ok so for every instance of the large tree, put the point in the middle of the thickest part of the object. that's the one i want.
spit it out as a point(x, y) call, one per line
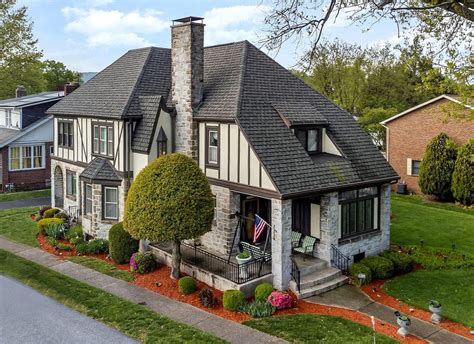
point(463, 175)
point(56, 75)
point(19, 56)
point(170, 200)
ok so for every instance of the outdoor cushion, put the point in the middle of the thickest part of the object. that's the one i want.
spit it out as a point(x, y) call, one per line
point(307, 246)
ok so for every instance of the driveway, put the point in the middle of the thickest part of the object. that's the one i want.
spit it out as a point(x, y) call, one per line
point(27, 316)
point(30, 202)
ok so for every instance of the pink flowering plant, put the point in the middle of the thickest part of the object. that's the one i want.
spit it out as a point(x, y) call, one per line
point(142, 263)
point(280, 300)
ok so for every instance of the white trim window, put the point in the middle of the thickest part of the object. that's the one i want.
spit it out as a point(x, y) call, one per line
point(110, 203)
point(8, 118)
point(26, 157)
point(88, 199)
point(103, 140)
point(71, 182)
point(213, 146)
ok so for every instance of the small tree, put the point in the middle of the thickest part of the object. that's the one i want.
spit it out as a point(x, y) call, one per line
point(170, 200)
point(437, 166)
point(463, 175)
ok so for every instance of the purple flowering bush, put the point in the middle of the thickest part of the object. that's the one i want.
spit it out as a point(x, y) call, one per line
point(142, 262)
point(280, 300)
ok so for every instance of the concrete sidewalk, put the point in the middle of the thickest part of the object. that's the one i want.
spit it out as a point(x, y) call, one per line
point(22, 203)
point(181, 312)
point(353, 298)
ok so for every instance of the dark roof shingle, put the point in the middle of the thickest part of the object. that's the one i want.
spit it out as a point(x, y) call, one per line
point(100, 169)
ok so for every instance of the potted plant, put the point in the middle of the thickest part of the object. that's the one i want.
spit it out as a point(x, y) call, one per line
point(243, 258)
point(436, 309)
point(404, 322)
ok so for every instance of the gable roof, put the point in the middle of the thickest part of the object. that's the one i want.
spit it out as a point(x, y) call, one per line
point(31, 100)
point(443, 96)
point(100, 169)
point(114, 92)
point(7, 136)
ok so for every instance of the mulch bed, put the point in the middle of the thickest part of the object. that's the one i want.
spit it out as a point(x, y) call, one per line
point(160, 282)
point(375, 292)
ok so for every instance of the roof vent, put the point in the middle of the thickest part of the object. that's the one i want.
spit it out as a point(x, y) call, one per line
point(20, 91)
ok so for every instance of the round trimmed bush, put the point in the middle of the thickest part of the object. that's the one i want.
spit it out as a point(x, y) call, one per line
point(263, 291)
point(61, 215)
point(358, 268)
point(381, 268)
point(402, 263)
point(43, 209)
point(43, 223)
point(187, 285)
point(121, 244)
point(233, 300)
point(50, 213)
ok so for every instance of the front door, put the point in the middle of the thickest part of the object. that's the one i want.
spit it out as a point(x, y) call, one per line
point(252, 206)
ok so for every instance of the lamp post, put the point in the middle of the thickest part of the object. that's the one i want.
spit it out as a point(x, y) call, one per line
point(361, 278)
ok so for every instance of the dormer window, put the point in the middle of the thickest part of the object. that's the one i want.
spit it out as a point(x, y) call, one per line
point(310, 138)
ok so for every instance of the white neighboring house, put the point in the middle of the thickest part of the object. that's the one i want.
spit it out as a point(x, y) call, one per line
point(269, 144)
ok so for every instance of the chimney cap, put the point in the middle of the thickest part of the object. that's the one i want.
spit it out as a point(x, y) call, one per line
point(188, 19)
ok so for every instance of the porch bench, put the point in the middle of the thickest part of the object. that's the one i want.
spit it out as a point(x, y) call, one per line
point(307, 246)
point(256, 252)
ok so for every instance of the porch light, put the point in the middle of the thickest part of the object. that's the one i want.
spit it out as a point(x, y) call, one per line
point(361, 277)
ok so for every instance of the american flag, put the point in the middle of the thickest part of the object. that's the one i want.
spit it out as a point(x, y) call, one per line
point(258, 227)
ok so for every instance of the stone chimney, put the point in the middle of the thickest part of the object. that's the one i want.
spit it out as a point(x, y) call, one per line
point(20, 91)
point(187, 72)
point(69, 87)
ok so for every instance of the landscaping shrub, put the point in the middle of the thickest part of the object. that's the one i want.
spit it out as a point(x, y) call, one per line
point(64, 247)
point(437, 258)
point(55, 230)
point(263, 291)
point(358, 268)
point(95, 246)
point(50, 213)
point(43, 209)
point(280, 300)
point(402, 263)
point(38, 217)
point(259, 309)
point(122, 245)
point(437, 167)
point(42, 224)
point(187, 285)
point(379, 266)
point(61, 215)
point(77, 241)
point(52, 241)
point(233, 300)
point(207, 298)
point(142, 262)
point(463, 175)
point(74, 232)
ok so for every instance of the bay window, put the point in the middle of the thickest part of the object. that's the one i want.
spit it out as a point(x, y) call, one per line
point(358, 211)
point(103, 139)
point(26, 157)
point(110, 196)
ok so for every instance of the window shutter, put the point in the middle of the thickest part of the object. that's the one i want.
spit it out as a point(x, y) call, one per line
point(409, 166)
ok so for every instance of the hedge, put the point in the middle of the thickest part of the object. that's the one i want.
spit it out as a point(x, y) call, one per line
point(121, 244)
point(381, 268)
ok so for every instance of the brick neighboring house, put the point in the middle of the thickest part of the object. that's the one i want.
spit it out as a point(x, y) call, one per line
point(268, 143)
point(26, 140)
point(409, 132)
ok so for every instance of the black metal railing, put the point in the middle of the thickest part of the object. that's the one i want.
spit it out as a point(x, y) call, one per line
point(295, 273)
point(74, 214)
point(338, 259)
point(205, 260)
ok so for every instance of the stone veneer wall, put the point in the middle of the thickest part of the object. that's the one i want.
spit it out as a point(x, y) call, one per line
point(281, 243)
point(329, 208)
point(224, 226)
point(68, 202)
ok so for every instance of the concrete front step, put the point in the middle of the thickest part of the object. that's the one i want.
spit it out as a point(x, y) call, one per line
point(321, 288)
point(318, 277)
point(307, 267)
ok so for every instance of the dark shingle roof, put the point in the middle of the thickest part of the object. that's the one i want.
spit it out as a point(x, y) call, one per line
point(149, 107)
point(100, 169)
point(295, 113)
point(113, 92)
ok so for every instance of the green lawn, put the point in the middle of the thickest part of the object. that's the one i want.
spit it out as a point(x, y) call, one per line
point(310, 328)
point(439, 225)
point(14, 196)
point(133, 320)
point(16, 224)
point(103, 267)
point(454, 289)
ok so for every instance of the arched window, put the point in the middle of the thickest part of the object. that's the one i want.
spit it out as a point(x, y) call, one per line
point(162, 143)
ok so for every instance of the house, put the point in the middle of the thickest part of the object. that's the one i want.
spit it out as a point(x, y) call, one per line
point(269, 144)
point(26, 140)
point(409, 132)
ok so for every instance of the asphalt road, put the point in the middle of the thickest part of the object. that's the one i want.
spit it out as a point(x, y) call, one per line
point(30, 202)
point(27, 316)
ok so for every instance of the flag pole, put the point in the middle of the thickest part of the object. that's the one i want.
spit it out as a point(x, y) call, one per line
point(269, 228)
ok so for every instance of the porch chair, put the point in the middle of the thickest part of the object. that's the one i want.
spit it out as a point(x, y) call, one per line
point(295, 239)
point(307, 246)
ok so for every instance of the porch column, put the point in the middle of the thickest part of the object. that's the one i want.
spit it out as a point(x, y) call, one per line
point(329, 225)
point(281, 243)
point(385, 193)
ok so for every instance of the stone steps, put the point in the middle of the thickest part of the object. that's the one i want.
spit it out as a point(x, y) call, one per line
point(319, 277)
point(322, 288)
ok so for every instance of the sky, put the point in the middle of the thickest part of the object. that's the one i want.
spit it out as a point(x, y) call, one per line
point(88, 35)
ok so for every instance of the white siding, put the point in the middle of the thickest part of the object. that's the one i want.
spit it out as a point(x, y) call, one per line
point(164, 121)
point(41, 134)
point(15, 118)
point(238, 161)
